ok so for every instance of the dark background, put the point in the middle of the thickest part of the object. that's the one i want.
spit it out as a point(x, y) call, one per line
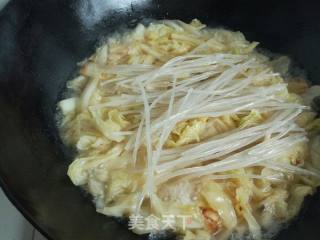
point(40, 43)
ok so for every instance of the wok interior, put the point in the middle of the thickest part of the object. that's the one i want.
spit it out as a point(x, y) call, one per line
point(41, 42)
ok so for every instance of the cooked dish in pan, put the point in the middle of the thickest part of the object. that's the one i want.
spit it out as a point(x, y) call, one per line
point(188, 128)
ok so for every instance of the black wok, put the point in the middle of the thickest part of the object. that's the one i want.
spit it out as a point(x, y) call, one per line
point(40, 43)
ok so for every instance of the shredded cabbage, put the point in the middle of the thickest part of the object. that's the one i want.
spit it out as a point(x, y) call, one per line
point(181, 119)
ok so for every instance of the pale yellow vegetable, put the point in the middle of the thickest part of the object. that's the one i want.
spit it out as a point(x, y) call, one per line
point(220, 202)
point(253, 119)
point(243, 197)
point(180, 119)
point(298, 193)
point(69, 105)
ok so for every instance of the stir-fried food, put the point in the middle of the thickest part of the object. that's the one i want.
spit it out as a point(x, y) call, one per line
point(180, 119)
